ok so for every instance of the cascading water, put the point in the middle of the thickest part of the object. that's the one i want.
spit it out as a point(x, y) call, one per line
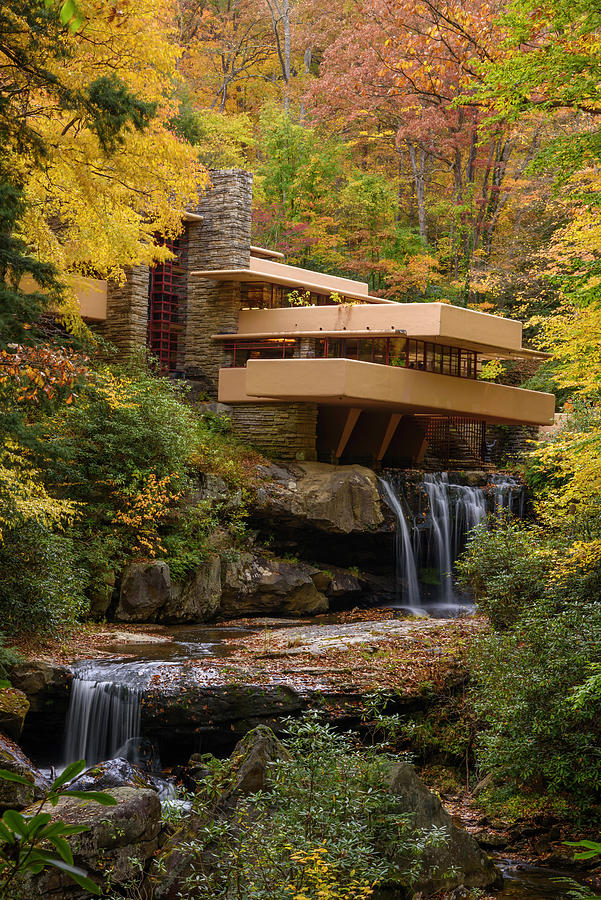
point(425, 553)
point(439, 543)
point(406, 571)
point(508, 494)
point(470, 510)
point(104, 712)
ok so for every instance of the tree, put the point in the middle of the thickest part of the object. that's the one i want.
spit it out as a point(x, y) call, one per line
point(84, 120)
point(402, 68)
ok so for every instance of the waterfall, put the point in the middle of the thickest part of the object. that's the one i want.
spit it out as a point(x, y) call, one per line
point(437, 491)
point(406, 571)
point(508, 494)
point(470, 510)
point(449, 513)
point(104, 713)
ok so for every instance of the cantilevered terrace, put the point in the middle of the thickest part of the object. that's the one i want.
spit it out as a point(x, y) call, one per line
point(379, 372)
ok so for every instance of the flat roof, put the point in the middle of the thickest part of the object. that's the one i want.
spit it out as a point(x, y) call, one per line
point(349, 382)
point(269, 272)
point(439, 323)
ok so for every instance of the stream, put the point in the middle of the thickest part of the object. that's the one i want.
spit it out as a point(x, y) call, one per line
point(528, 882)
point(104, 715)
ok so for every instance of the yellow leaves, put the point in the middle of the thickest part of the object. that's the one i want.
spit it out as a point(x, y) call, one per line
point(318, 879)
point(574, 338)
point(581, 557)
point(23, 497)
point(143, 510)
point(110, 208)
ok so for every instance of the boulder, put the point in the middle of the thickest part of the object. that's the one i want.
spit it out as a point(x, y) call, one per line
point(145, 588)
point(259, 585)
point(460, 852)
point(12, 794)
point(111, 774)
point(338, 584)
point(251, 758)
point(118, 844)
point(45, 686)
point(14, 706)
point(334, 499)
point(197, 600)
point(101, 595)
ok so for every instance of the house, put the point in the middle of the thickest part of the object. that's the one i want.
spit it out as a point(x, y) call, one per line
point(308, 364)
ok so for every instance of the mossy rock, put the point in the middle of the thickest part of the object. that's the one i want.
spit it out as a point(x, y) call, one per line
point(13, 795)
point(14, 706)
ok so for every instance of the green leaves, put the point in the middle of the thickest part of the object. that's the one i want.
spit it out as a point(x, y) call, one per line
point(12, 776)
point(94, 797)
point(69, 14)
point(72, 771)
point(24, 839)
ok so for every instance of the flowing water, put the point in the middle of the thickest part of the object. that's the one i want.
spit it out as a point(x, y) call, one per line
point(527, 882)
point(406, 580)
point(103, 719)
point(428, 543)
point(104, 711)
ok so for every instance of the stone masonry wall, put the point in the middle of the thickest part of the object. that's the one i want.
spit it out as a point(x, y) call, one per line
point(127, 311)
point(283, 430)
point(505, 444)
point(220, 241)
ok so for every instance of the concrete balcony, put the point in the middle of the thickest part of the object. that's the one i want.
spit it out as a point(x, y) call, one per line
point(437, 322)
point(361, 385)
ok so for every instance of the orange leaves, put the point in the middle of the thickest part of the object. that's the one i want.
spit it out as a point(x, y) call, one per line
point(41, 372)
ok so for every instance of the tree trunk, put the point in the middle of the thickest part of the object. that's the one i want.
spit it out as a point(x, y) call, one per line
point(418, 167)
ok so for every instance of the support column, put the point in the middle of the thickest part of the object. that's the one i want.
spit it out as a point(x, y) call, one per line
point(127, 311)
point(351, 420)
point(392, 426)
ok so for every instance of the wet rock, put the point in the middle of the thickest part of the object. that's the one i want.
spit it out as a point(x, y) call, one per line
point(13, 795)
point(338, 584)
point(47, 689)
point(198, 600)
point(43, 684)
point(14, 706)
point(145, 588)
point(334, 499)
point(473, 868)
point(258, 585)
point(120, 841)
point(491, 841)
point(111, 774)
point(187, 711)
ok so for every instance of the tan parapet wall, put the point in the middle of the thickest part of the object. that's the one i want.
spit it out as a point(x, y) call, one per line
point(352, 383)
point(429, 321)
point(90, 294)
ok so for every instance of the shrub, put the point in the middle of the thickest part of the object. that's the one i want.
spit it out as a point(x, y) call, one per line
point(42, 584)
point(325, 827)
point(532, 687)
point(129, 452)
point(506, 565)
